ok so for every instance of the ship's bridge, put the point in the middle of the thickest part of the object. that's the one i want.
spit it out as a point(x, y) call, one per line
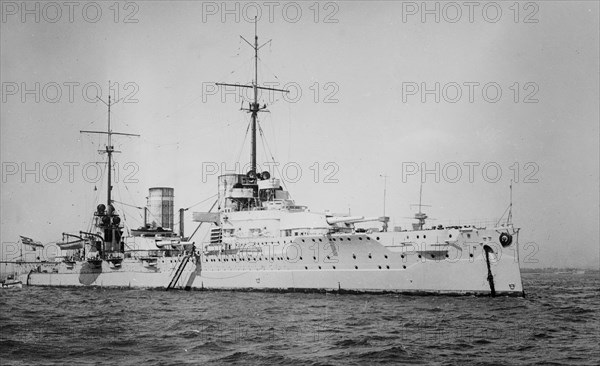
point(239, 192)
point(253, 208)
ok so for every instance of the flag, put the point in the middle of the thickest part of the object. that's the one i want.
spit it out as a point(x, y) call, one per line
point(28, 241)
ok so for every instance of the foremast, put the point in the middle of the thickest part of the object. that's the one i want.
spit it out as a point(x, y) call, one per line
point(109, 222)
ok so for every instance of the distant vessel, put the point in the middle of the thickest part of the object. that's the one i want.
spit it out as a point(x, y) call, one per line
point(11, 282)
point(260, 239)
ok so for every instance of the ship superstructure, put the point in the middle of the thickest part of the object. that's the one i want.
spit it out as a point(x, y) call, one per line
point(261, 239)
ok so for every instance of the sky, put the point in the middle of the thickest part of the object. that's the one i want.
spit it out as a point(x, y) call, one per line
point(475, 96)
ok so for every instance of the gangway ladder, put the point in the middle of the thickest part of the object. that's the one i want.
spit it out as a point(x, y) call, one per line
point(178, 272)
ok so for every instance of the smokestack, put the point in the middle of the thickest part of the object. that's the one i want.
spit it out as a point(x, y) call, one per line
point(160, 206)
point(181, 210)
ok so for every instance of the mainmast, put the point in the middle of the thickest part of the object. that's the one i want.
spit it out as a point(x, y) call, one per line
point(254, 107)
point(109, 150)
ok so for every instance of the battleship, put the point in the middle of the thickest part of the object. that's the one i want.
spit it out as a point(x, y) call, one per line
point(259, 238)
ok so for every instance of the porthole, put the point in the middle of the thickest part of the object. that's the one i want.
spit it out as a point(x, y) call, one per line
point(370, 256)
point(319, 267)
point(433, 256)
point(379, 267)
point(447, 256)
point(424, 236)
point(469, 236)
point(313, 239)
point(471, 255)
point(388, 267)
point(385, 256)
point(315, 258)
point(417, 236)
point(377, 238)
point(333, 239)
point(300, 258)
point(368, 238)
point(450, 235)
point(333, 267)
point(403, 267)
point(349, 239)
point(419, 255)
point(360, 238)
point(320, 239)
point(353, 256)
point(305, 267)
point(355, 267)
point(402, 256)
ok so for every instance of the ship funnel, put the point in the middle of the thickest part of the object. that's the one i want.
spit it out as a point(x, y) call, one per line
point(160, 206)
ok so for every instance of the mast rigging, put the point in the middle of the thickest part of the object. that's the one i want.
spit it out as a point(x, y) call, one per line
point(254, 107)
point(108, 223)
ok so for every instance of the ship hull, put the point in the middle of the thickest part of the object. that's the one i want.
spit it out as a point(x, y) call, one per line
point(132, 273)
point(378, 263)
point(425, 280)
point(372, 263)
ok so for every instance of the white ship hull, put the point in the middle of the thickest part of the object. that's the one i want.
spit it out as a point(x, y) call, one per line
point(379, 262)
point(134, 273)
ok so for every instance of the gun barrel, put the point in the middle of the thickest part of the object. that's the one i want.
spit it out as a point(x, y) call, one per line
point(350, 219)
